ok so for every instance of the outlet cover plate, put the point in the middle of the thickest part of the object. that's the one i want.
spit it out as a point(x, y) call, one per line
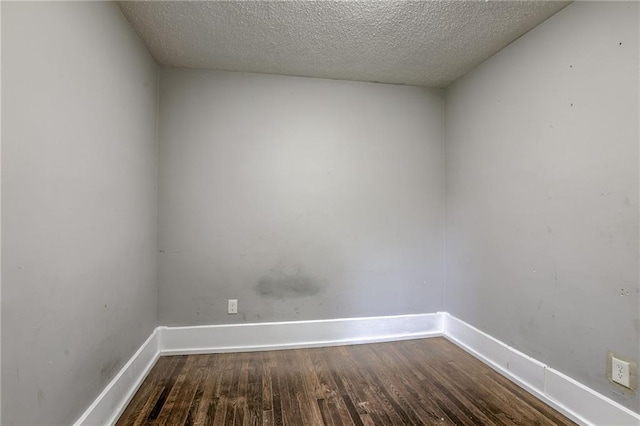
point(622, 370)
point(232, 306)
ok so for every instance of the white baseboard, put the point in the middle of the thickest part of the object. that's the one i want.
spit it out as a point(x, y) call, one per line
point(297, 334)
point(110, 404)
point(568, 396)
point(575, 400)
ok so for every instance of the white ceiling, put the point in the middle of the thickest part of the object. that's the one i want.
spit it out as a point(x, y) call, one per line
point(427, 43)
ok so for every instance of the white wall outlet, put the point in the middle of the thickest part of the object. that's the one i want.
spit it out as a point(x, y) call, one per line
point(621, 370)
point(232, 306)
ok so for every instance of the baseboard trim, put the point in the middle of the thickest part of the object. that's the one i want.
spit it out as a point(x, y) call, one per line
point(298, 334)
point(568, 396)
point(575, 400)
point(110, 404)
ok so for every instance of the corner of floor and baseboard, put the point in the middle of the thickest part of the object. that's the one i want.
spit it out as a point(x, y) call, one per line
point(568, 396)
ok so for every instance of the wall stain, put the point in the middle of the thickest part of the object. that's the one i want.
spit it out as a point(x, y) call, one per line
point(40, 396)
point(109, 368)
point(287, 282)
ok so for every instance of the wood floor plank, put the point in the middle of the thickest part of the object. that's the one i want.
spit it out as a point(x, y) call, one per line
point(177, 395)
point(166, 385)
point(343, 373)
point(433, 368)
point(223, 393)
point(243, 385)
point(454, 409)
point(500, 388)
point(405, 391)
point(231, 400)
point(254, 393)
point(336, 403)
point(355, 386)
point(138, 410)
point(324, 411)
point(266, 361)
point(202, 411)
point(276, 401)
point(413, 382)
point(288, 389)
point(306, 398)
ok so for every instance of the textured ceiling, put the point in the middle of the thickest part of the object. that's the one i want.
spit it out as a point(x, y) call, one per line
point(427, 43)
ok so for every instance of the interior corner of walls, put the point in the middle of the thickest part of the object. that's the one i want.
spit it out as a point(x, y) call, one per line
point(159, 332)
point(442, 322)
point(113, 400)
point(94, 92)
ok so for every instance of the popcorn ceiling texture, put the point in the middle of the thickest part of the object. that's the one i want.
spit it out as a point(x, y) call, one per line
point(425, 43)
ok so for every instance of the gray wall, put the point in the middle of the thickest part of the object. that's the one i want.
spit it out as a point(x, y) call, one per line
point(302, 198)
point(542, 193)
point(79, 197)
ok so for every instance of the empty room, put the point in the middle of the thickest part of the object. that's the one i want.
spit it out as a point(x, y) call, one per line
point(320, 213)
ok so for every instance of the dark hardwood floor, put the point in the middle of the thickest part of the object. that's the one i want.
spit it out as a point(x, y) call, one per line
point(427, 381)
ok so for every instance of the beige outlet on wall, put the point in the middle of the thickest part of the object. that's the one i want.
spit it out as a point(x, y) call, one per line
point(232, 306)
point(621, 370)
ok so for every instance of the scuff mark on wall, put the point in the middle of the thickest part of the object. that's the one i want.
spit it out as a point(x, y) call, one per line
point(109, 368)
point(287, 281)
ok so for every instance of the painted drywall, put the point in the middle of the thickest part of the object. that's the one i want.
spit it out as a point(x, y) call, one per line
point(542, 193)
point(302, 198)
point(79, 202)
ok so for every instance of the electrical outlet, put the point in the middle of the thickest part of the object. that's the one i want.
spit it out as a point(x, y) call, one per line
point(232, 306)
point(621, 370)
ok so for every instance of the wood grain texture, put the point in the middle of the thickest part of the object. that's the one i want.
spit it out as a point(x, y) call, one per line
point(412, 382)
